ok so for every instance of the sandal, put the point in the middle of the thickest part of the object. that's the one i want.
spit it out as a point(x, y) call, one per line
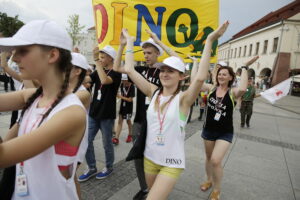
point(205, 186)
point(215, 195)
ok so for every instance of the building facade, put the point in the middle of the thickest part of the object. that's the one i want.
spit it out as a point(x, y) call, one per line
point(275, 38)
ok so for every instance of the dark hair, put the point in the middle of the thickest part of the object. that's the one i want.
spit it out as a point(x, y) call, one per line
point(231, 73)
point(65, 66)
point(80, 78)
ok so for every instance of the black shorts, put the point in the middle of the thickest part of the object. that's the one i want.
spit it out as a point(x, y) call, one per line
point(126, 116)
point(214, 135)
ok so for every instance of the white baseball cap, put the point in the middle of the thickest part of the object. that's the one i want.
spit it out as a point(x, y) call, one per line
point(41, 32)
point(109, 50)
point(173, 62)
point(79, 60)
point(124, 77)
point(151, 41)
point(222, 63)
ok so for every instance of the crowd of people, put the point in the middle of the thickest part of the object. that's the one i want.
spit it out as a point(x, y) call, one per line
point(61, 103)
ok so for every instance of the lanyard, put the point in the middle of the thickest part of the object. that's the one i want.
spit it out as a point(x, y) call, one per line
point(101, 83)
point(161, 120)
point(152, 74)
point(126, 92)
point(219, 103)
point(35, 123)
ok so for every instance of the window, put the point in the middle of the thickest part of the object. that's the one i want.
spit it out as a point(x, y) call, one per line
point(265, 46)
point(275, 45)
point(245, 50)
point(231, 53)
point(235, 50)
point(240, 51)
point(257, 48)
point(250, 50)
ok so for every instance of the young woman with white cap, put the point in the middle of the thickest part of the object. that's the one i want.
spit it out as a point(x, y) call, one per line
point(164, 157)
point(53, 118)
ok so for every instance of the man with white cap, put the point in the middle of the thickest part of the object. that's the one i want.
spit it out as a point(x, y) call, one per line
point(102, 111)
point(152, 49)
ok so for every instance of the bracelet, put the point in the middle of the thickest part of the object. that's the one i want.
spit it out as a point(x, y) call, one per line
point(96, 59)
point(129, 51)
point(245, 67)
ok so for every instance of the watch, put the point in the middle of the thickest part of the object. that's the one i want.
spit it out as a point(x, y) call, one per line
point(245, 67)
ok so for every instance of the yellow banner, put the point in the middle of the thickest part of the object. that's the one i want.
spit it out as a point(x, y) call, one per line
point(181, 25)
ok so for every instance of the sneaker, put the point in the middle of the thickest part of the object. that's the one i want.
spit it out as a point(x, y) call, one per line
point(141, 195)
point(105, 173)
point(129, 139)
point(248, 125)
point(242, 125)
point(115, 141)
point(87, 175)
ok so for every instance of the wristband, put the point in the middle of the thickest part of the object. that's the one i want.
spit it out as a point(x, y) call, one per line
point(129, 51)
point(245, 67)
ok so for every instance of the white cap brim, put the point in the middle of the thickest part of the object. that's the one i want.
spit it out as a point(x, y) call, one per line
point(161, 51)
point(108, 53)
point(9, 44)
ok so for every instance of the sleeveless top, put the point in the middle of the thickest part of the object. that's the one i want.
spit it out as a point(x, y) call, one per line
point(171, 154)
point(44, 179)
point(223, 106)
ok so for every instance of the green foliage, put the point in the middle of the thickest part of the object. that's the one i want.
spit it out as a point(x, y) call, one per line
point(74, 28)
point(9, 25)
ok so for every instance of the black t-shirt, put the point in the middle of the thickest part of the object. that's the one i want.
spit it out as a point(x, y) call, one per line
point(125, 106)
point(104, 106)
point(152, 75)
point(223, 106)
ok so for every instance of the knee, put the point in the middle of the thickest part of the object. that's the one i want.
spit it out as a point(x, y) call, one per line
point(215, 162)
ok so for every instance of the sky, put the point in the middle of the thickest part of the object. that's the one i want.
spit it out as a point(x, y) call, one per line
point(240, 13)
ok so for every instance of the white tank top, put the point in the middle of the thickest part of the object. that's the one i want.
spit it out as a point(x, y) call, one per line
point(171, 154)
point(44, 179)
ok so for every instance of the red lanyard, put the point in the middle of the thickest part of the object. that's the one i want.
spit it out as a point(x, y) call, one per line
point(101, 83)
point(161, 120)
point(126, 92)
point(35, 123)
point(152, 74)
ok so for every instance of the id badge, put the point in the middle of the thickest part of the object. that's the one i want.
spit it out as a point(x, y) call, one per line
point(217, 116)
point(99, 95)
point(160, 140)
point(147, 101)
point(21, 186)
point(124, 104)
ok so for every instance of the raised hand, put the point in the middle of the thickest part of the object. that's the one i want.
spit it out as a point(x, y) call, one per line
point(123, 40)
point(153, 36)
point(250, 62)
point(192, 58)
point(218, 32)
point(96, 53)
point(126, 35)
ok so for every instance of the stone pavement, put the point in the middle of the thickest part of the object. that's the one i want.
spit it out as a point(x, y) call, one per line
point(262, 163)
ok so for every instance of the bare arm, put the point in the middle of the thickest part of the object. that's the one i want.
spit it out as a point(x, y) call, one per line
point(238, 92)
point(14, 100)
point(7, 69)
point(85, 98)
point(195, 67)
point(128, 99)
point(117, 63)
point(146, 87)
point(189, 96)
point(12, 132)
point(51, 132)
point(105, 80)
point(168, 50)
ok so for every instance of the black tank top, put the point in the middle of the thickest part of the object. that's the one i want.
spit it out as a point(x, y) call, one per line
point(224, 106)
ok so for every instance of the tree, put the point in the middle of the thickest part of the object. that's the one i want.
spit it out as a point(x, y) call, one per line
point(9, 25)
point(74, 28)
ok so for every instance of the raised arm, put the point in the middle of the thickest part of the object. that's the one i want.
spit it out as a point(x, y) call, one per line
point(7, 69)
point(189, 96)
point(105, 80)
point(167, 49)
point(238, 92)
point(194, 68)
point(146, 87)
point(117, 63)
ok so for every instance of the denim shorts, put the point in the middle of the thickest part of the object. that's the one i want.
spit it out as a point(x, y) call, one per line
point(215, 135)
